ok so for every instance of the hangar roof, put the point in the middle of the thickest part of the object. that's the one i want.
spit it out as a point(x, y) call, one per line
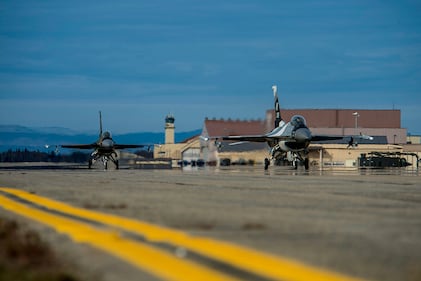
point(221, 127)
point(343, 118)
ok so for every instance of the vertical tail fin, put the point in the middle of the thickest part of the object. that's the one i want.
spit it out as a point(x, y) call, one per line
point(278, 117)
point(100, 124)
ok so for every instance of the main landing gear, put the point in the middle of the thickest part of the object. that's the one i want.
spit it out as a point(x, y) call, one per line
point(267, 163)
point(304, 162)
point(294, 157)
point(104, 160)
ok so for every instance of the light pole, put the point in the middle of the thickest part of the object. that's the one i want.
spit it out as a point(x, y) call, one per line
point(356, 114)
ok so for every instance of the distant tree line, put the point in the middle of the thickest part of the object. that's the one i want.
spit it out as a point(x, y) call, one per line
point(26, 155)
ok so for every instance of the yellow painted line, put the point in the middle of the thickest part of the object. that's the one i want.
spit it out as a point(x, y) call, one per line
point(264, 264)
point(149, 259)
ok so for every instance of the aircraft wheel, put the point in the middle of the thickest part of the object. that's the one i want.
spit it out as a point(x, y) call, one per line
point(306, 163)
point(106, 165)
point(90, 164)
point(116, 165)
point(267, 163)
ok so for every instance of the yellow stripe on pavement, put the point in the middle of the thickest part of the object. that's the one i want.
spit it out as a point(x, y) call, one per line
point(263, 264)
point(149, 259)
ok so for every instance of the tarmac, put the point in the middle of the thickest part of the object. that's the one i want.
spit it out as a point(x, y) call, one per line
point(358, 223)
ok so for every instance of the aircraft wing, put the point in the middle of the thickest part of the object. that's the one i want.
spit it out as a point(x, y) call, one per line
point(253, 138)
point(80, 146)
point(327, 138)
point(268, 138)
point(124, 146)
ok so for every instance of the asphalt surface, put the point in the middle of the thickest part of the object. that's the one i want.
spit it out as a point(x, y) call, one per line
point(361, 223)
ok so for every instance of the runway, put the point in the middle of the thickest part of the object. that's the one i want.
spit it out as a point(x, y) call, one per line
point(230, 224)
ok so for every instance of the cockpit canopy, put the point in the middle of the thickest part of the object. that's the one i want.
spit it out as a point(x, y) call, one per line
point(298, 121)
point(106, 135)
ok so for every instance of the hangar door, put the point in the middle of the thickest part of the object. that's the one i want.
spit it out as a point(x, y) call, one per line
point(191, 154)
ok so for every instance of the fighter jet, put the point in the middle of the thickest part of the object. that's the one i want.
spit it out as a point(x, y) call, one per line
point(104, 148)
point(289, 138)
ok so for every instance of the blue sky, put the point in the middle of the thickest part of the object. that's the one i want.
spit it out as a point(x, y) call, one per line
point(63, 61)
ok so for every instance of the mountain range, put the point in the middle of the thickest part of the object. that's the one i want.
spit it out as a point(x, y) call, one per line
point(15, 136)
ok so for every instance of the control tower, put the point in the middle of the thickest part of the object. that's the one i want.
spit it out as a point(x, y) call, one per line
point(169, 129)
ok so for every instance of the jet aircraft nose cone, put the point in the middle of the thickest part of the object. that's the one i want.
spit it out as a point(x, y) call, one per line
point(303, 135)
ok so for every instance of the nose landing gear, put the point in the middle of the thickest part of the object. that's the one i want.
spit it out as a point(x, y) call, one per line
point(104, 159)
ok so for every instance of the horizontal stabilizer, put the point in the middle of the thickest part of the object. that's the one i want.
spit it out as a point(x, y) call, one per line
point(239, 142)
point(365, 137)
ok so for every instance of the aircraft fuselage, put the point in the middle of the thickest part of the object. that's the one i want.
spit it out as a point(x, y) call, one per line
point(106, 146)
point(293, 136)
